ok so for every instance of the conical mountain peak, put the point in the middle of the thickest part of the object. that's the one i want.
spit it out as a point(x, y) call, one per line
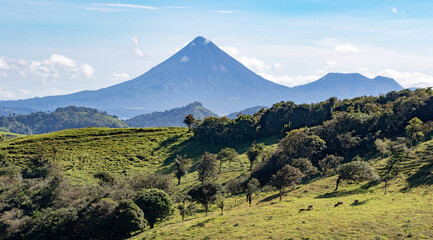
point(200, 40)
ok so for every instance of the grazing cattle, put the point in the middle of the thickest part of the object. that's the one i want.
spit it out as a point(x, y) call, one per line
point(356, 201)
point(310, 207)
point(338, 204)
point(302, 209)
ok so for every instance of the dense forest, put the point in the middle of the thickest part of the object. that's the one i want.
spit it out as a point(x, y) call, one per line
point(330, 138)
point(60, 119)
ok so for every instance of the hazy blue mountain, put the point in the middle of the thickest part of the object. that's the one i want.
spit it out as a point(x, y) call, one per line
point(170, 118)
point(6, 111)
point(346, 85)
point(202, 72)
point(247, 111)
point(199, 72)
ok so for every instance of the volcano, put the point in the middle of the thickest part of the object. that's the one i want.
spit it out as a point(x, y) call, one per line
point(202, 72)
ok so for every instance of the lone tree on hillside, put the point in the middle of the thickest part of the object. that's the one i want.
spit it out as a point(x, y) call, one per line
point(398, 155)
point(254, 152)
point(252, 187)
point(182, 164)
point(189, 121)
point(205, 194)
point(207, 167)
point(226, 154)
point(285, 177)
point(414, 131)
point(356, 171)
point(155, 203)
point(129, 218)
point(329, 163)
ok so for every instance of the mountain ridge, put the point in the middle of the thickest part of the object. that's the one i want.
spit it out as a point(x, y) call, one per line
point(202, 72)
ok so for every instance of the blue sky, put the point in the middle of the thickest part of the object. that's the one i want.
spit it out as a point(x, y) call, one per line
point(57, 47)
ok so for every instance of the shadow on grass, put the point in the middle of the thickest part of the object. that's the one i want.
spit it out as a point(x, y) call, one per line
point(354, 204)
point(342, 193)
point(270, 198)
point(201, 224)
point(424, 176)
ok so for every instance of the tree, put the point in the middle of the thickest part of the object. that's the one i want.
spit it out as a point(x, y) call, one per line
point(305, 166)
point(330, 162)
point(155, 204)
point(301, 143)
point(254, 152)
point(347, 141)
point(186, 210)
point(356, 171)
point(226, 154)
point(398, 155)
point(189, 121)
point(252, 187)
point(383, 146)
point(129, 218)
point(182, 164)
point(285, 177)
point(205, 194)
point(207, 167)
point(414, 131)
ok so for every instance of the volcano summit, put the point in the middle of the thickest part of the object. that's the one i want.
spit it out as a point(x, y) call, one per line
point(200, 72)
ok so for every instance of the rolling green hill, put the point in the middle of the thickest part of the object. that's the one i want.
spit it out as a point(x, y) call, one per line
point(170, 118)
point(60, 119)
point(83, 152)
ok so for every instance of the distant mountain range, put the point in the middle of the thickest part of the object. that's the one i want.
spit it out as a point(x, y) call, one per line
point(247, 111)
point(170, 118)
point(203, 72)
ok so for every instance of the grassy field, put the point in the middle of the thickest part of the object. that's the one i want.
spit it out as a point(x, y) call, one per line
point(83, 152)
point(406, 212)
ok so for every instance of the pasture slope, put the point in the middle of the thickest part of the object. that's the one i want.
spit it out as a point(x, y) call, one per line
point(406, 212)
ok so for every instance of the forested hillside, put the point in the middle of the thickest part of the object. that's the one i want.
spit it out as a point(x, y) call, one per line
point(283, 170)
point(60, 119)
point(170, 118)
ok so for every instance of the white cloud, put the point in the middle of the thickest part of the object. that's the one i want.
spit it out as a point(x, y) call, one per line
point(225, 11)
point(409, 79)
point(135, 40)
point(394, 10)
point(180, 7)
point(124, 5)
point(60, 61)
point(3, 64)
point(137, 50)
point(230, 50)
point(289, 81)
point(184, 59)
point(53, 67)
point(101, 9)
point(251, 62)
point(278, 65)
point(331, 63)
point(87, 70)
point(121, 75)
point(344, 49)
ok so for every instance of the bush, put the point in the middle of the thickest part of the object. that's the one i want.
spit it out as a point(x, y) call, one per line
point(155, 203)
